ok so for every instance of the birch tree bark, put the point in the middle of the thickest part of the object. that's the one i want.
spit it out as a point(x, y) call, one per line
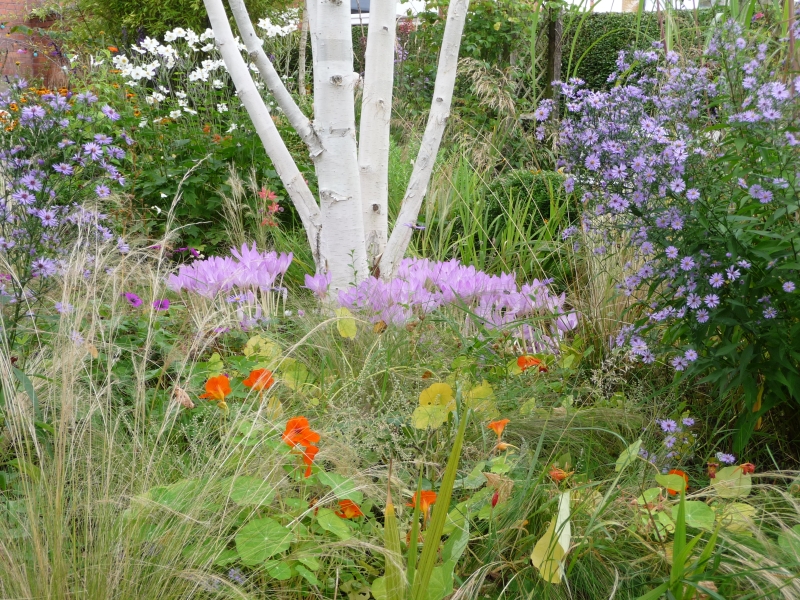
point(301, 66)
point(287, 170)
point(255, 48)
point(335, 122)
point(432, 138)
point(376, 113)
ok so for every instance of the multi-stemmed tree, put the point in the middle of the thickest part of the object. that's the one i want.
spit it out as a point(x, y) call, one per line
point(348, 226)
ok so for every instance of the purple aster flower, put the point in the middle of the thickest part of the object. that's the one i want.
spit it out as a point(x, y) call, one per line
point(669, 441)
point(668, 426)
point(122, 246)
point(692, 194)
point(716, 280)
point(702, 315)
point(102, 139)
point(76, 338)
point(64, 308)
point(789, 287)
point(694, 301)
point(24, 197)
point(132, 299)
point(102, 191)
point(161, 304)
point(679, 363)
point(727, 459)
point(677, 185)
point(110, 113)
point(733, 273)
point(687, 263)
point(43, 267)
point(31, 182)
point(690, 355)
point(569, 185)
point(63, 168)
point(592, 162)
point(688, 421)
point(712, 301)
point(770, 313)
point(93, 150)
point(48, 218)
point(671, 252)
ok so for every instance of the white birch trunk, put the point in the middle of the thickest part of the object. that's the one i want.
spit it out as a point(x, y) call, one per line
point(343, 246)
point(285, 166)
point(376, 113)
point(255, 48)
point(301, 63)
point(437, 119)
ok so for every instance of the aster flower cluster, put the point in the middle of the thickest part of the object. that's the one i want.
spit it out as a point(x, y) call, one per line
point(60, 150)
point(494, 301)
point(678, 442)
point(711, 250)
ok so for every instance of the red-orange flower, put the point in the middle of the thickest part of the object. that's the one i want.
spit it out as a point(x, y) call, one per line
point(526, 361)
point(349, 510)
point(217, 388)
point(748, 468)
point(681, 474)
point(298, 433)
point(113, 49)
point(498, 426)
point(308, 458)
point(559, 475)
point(259, 380)
point(427, 498)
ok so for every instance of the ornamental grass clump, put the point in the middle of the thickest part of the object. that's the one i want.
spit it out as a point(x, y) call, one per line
point(61, 156)
point(697, 165)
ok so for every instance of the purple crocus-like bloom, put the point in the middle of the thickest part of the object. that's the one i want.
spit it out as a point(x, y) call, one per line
point(63, 168)
point(132, 299)
point(110, 113)
point(102, 191)
point(727, 459)
point(162, 304)
point(789, 287)
point(716, 280)
point(318, 284)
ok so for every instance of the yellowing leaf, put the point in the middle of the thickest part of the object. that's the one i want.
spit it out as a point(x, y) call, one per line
point(513, 368)
point(481, 400)
point(547, 555)
point(528, 407)
point(438, 394)
point(628, 455)
point(215, 366)
point(732, 482)
point(737, 516)
point(346, 324)
point(294, 374)
point(263, 349)
point(429, 417)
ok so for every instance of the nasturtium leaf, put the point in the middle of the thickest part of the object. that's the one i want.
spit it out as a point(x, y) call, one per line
point(330, 522)
point(438, 394)
point(673, 482)
point(441, 582)
point(528, 407)
point(261, 539)
point(429, 417)
point(294, 374)
point(732, 482)
point(456, 543)
point(250, 491)
point(455, 518)
point(378, 588)
point(265, 351)
point(346, 324)
point(207, 551)
point(307, 575)
point(664, 523)
point(789, 541)
point(481, 399)
point(311, 562)
point(475, 479)
point(698, 515)
point(214, 366)
point(628, 455)
point(500, 465)
point(547, 555)
point(649, 495)
point(226, 557)
point(737, 516)
point(180, 496)
point(342, 487)
point(279, 569)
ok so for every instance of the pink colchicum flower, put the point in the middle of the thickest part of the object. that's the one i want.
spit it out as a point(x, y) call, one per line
point(132, 299)
point(162, 304)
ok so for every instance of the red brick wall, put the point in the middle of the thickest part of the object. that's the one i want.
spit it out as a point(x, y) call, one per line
point(21, 54)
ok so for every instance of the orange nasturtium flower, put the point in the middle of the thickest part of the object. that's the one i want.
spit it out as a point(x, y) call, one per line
point(498, 426)
point(748, 468)
point(526, 361)
point(299, 433)
point(217, 388)
point(427, 498)
point(259, 380)
point(680, 474)
point(308, 458)
point(559, 475)
point(349, 510)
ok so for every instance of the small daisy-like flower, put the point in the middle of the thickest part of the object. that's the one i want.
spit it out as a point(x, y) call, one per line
point(671, 252)
point(688, 421)
point(668, 425)
point(702, 315)
point(669, 441)
point(679, 363)
point(690, 355)
point(692, 194)
point(727, 459)
point(102, 191)
point(789, 287)
point(716, 280)
point(712, 301)
point(687, 263)
point(770, 313)
point(733, 273)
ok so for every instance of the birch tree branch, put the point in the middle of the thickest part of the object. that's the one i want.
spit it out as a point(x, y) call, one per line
point(285, 166)
point(431, 139)
point(298, 120)
point(376, 113)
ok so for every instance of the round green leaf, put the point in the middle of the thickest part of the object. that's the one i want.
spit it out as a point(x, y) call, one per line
point(330, 522)
point(250, 491)
point(429, 417)
point(279, 569)
point(260, 539)
point(732, 482)
point(342, 487)
point(789, 541)
point(698, 515)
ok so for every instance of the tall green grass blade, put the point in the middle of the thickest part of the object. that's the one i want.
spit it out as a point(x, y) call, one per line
point(395, 584)
point(679, 542)
point(430, 549)
point(411, 558)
